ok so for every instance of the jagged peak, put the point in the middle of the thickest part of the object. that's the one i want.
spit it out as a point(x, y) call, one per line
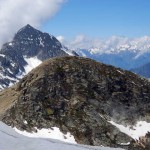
point(26, 31)
point(26, 28)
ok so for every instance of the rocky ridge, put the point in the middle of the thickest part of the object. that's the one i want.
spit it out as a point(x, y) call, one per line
point(78, 95)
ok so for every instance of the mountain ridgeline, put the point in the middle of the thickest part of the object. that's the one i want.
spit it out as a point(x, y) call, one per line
point(27, 43)
point(143, 70)
point(78, 95)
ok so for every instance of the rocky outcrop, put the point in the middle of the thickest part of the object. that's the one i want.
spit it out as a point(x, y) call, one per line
point(81, 96)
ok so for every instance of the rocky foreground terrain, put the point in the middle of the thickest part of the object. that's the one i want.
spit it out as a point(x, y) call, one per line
point(16, 141)
point(80, 96)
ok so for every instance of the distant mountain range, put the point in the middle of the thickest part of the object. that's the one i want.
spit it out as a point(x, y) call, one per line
point(121, 53)
point(143, 70)
point(27, 50)
point(124, 59)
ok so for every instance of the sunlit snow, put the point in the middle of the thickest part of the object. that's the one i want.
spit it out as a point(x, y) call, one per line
point(69, 52)
point(2, 55)
point(32, 63)
point(53, 133)
point(10, 44)
point(140, 129)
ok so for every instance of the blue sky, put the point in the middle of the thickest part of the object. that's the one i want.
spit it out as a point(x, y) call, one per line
point(101, 18)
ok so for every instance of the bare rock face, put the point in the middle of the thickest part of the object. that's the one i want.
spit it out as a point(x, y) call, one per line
point(27, 43)
point(81, 96)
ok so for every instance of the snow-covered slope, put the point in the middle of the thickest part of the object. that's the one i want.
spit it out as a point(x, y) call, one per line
point(53, 133)
point(32, 62)
point(11, 140)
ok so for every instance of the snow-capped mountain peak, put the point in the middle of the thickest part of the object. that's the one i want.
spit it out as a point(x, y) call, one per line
point(28, 49)
point(118, 51)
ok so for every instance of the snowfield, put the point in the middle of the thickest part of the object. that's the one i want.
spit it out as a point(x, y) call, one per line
point(32, 62)
point(53, 133)
point(11, 140)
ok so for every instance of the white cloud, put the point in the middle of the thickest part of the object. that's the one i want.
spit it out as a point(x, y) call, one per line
point(78, 39)
point(14, 14)
point(82, 41)
point(60, 38)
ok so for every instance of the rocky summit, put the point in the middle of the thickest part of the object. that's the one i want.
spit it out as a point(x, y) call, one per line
point(78, 95)
point(29, 47)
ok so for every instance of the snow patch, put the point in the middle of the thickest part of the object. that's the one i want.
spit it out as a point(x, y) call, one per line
point(140, 129)
point(11, 84)
point(125, 143)
point(20, 74)
point(10, 44)
point(2, 55)
point(120, 71)
point(10, 71)
point(12, 64)
point(7, 77)
point(25, 122)
point(53, 133)
point(32, 63)
point(69, 52)
point(41, 42)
